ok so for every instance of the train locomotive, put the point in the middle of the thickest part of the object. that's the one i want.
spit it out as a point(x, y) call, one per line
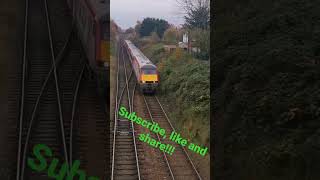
point(145, 71)
point(92, 21)
point(91, 18)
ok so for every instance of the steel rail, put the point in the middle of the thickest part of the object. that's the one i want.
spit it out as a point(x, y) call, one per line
point(164, 154)
point(57, 85)
point(24, 66)
point(57, 61)
point(118, 100)
point(133, 131)
point(184, 150)
point(53, 67)
point(132, 126)
point(115, 114)
point(73, 111)
point(35, 108)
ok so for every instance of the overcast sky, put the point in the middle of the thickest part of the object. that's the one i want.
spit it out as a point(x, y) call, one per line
point(127, 12)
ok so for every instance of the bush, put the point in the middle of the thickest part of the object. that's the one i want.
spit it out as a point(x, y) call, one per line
point(266, 90)
point(184, 83)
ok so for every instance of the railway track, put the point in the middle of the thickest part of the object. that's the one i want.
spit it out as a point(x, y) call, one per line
point(180, 163)
point(134, 159)
point(125, 163)
point(90, 134)
point(153, 163)
point(58, 104)
point(38, 124)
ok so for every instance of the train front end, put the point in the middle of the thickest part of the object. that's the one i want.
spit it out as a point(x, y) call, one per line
point(103, 42)
point(149, 79)
point(102, 58)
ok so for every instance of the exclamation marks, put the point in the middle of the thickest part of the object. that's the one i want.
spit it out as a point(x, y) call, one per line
point(169, 149)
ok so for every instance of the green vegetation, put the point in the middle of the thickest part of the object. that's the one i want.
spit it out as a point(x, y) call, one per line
point(150, 25)
point(156, 51)
point(185, 87)
point(197, 25)
point(188, 84)
point(266, 70)
point(184, 79)
point(202, 40)
point(171, 36)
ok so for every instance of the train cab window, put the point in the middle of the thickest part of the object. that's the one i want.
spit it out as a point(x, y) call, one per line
point(149, 71)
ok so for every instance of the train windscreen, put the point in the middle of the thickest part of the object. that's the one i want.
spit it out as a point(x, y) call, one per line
point(149, 71)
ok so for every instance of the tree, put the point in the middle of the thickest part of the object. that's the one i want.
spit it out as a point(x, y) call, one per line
point(137, 27)
point(197, 13)
point(154, 37)
point(171, 35)
point(114, 30)
point(202, 41)
point(130, 31)
point(150, 25)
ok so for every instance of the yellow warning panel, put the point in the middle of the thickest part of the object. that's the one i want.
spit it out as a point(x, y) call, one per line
point(151, 77)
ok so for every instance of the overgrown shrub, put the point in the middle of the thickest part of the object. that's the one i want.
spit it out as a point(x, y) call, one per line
point(184, 83)
point(266, 91)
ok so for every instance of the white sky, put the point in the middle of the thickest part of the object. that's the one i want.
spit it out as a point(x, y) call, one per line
point(127, 12)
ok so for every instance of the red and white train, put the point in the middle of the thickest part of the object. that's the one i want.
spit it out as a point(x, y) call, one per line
point(92, 22)
point(145, 71)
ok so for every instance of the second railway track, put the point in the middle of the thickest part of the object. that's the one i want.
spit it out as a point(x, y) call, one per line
point(124, 150)
point(38, 124)
point(59, 105)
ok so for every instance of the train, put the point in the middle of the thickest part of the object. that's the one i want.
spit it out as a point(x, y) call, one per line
point(92, 22)
point(145, 71)
point(91, 18)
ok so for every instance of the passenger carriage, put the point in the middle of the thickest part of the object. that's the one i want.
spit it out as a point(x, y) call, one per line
point(145, 71)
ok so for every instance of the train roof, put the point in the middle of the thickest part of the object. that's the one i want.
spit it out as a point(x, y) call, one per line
point(141, 58)
point(100, 7)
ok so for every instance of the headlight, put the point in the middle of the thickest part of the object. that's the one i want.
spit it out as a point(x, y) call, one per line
point(143, 81)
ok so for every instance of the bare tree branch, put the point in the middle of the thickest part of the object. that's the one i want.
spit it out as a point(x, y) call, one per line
point(196, 13)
